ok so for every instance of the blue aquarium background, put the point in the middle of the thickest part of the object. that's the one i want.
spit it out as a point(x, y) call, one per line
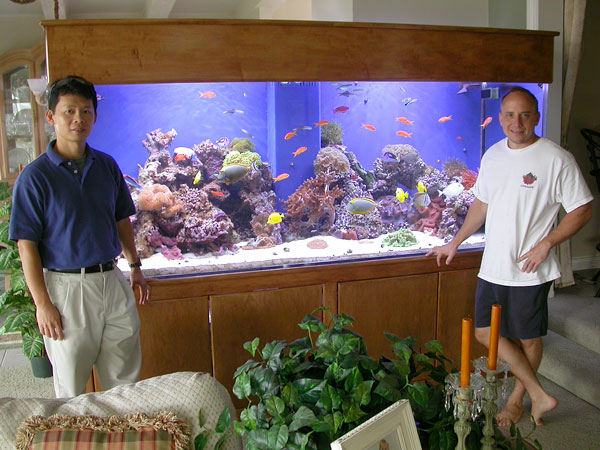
point(222, 167)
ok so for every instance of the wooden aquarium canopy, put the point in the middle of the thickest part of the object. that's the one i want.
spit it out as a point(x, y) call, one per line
point(167, 51)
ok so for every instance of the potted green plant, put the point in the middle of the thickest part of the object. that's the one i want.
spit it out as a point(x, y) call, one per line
point(16, 302)
point(305, 394)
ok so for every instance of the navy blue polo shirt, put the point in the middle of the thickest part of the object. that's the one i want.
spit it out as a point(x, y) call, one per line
point(71, 215)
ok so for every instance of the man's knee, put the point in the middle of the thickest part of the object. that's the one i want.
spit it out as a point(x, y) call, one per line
point(531, 344)
point(483, 335)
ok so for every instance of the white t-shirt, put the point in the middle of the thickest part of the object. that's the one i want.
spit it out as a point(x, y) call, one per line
point(524, 189)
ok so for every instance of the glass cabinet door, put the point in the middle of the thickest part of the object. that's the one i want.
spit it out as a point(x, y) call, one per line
point(18, 118)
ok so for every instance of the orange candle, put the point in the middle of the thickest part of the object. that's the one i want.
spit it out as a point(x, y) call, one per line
point(494, 336)
point(465, 353)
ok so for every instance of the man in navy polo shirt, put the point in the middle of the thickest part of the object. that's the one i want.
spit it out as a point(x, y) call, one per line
point(70, 217)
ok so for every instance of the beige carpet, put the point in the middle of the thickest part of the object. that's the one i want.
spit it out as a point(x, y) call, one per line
point(19, 382)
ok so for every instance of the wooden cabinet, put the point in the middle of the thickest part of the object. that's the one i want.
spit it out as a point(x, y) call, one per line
point(404, 306)
point(23, 128)
point(269, 315)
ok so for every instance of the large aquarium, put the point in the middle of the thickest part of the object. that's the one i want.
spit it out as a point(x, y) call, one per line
point(245, 176)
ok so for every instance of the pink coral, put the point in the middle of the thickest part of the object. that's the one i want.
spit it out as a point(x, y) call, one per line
point(159, 197)
point(431, 217)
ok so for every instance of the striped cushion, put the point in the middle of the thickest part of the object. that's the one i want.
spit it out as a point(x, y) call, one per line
point(162, 431)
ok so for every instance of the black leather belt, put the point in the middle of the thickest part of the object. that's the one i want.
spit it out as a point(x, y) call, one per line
point(92, 269)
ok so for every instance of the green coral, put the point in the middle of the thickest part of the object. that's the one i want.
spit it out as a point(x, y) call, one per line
point(243, 159)
point(331, 134)
point(242, 145)
point(400, 238)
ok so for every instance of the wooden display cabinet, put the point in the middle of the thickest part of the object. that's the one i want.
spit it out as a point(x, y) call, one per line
point(200, 322)
point(23, 130)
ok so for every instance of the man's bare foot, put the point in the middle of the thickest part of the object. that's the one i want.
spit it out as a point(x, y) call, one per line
point(512, 412)
point(539, 408)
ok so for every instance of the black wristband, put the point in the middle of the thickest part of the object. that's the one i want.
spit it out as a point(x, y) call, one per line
point(138, 263)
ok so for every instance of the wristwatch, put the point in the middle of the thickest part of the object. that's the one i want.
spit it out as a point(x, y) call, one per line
point(138, 263)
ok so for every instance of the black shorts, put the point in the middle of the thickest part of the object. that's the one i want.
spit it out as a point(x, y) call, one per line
point(524, 308)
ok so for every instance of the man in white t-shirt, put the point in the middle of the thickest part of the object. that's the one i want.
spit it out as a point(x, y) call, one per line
point(522, 183)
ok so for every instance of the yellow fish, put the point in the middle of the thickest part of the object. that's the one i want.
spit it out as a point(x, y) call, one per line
point(401, 195)
point(421, 187)
point(198, 177)
point(275, 218)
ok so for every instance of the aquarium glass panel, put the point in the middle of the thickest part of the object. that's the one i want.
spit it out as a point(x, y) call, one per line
point(245, 176)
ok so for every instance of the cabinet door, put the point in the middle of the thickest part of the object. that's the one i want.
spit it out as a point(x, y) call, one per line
point(457, 301)
point(175, 336)
point(268, 315)
point(18, 124)
point(404, 306)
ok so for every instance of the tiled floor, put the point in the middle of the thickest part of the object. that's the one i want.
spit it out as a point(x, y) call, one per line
point(12, 357)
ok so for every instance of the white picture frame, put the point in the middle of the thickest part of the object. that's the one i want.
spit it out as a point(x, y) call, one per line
point(393, 428)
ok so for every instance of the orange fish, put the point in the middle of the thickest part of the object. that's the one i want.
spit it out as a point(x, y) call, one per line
point(404, 120)
point(217, 193)
point(403, 134)
point(321, 123)
point(207, 94)
point(283, 176)
point(459, 138)
point(486, 122)
point(180, 157)
point(341, 109)
point(300, 150)
point(444, 119)
point(368, 127)
point(290, 135)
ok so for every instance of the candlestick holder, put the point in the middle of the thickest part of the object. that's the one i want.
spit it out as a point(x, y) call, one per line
point(490, 395)
point(466, 401)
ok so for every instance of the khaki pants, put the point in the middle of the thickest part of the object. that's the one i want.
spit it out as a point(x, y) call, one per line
point(101, 328)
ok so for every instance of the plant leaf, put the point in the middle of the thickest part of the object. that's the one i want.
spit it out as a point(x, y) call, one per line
point(248, 418)
point(200, 442)
point(252, 346)
point(301, 418)
point(435, 347)
point(224, 421)
point(313, 324)
point(242, 387)
point(277, 437)
point(275, 406)
point(248, 365)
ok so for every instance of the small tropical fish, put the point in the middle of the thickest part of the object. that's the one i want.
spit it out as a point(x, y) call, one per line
point(99, 97)
point(360, 206)
point(132, 182)
point(459, 138)
point(180, 157)
point(403, 134)
point(346, 94)
point(343, 86)
point(390, 155)
point(365, 101)
point(404, 120)
point(217, 193)
point(341, 109)
point(232, 173)
point(223, 142)
point(444, 119)
point(280, 177)
point(233, 111)
point(304, 128)
point(410, 157)
point(368, 127)
point(247, 133)
point(421, 200)
point(321, 123)
point(207, 94)
point(290, 135)
point(275, 218)
point(198, 177)
point(299, 151)
point(486, 122)
point(408, 100)
point(401, 195)
point(453, 189)
point(421, 187)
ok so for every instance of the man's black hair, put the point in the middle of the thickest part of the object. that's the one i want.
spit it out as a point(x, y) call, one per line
point(71, 85)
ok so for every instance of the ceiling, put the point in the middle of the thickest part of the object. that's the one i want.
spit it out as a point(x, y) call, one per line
point(128, 9)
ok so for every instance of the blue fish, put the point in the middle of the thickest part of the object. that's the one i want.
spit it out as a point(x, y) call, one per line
point(132, 182)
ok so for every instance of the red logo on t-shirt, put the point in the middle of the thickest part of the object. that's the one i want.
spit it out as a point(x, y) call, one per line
point(529, 178)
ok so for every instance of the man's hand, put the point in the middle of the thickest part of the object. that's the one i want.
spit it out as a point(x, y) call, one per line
point(448, 251)
point(136, 278)
point(49, 323)
point(534, 257)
